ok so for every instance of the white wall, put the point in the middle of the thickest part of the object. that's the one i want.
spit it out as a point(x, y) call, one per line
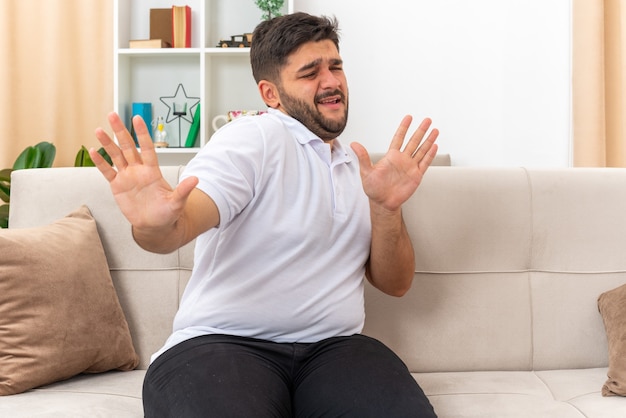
point(494, 75)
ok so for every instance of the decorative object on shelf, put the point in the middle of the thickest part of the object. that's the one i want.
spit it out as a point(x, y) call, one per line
point(143, 109)
point(192, 136)
point(232, 115)
point(180, 107)
point(215, 74)
point(160, 135)
point(181, 26)
point(236, 41)
point(270, 8)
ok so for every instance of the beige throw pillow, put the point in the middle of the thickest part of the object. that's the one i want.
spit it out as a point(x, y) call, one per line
point(612, 306)
point(59, 312)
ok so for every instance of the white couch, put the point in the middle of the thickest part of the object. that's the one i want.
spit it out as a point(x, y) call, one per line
point(501, 321)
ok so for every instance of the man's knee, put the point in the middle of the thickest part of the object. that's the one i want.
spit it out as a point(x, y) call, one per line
point(209, 377)
point(360, 377)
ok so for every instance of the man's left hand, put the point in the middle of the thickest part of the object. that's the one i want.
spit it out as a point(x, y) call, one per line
point(392, 180)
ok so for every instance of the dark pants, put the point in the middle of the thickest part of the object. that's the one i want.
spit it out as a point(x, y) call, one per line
point(226, 376)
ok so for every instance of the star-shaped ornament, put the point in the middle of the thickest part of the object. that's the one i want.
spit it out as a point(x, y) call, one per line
point(180, 105)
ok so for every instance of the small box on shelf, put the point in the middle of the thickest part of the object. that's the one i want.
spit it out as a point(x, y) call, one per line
point(148, 43)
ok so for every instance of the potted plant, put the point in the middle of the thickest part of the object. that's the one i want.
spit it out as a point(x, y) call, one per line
point(270, 8)
point(37, 156)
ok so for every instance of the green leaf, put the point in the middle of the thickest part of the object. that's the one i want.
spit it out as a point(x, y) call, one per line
point(5, 174)
point(48, 151)
point(29, 158)
point(105, 155)
point(83, 159)
point(4, 216)
point(40, 156)
point(5, 191)
point(5, 184)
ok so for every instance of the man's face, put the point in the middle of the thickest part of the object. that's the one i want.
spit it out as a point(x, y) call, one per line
point(313, 89)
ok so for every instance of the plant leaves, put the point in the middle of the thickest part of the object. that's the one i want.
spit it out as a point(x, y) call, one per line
point(5, 191)
point(29, 158)
point(83, 159)
point(4, 196)
point(48, 151)
point(38, 156)
point(4, 216)
point(5, 174)
point(105, 155)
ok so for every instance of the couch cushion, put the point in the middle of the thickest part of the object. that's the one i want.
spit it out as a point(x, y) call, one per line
point(59, 312)
point(112, 394)
point(496, 394)
point(612, 306)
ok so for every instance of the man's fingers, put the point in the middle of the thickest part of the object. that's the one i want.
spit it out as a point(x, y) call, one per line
point(125, 140)
point(428, 158)
point(398, 137)
point(424, 148)
point(185, 187)
point(111, 148)
point(105, 168)
point(414, 142)
point(365, 163)
point(148, 154)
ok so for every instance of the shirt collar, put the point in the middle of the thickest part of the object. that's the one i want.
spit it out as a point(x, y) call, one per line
point(304, 136)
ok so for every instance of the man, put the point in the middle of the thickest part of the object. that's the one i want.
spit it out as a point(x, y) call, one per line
point(288, 222)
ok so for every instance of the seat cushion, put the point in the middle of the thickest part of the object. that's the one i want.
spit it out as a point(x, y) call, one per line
point(111, 394)
point(497, 394)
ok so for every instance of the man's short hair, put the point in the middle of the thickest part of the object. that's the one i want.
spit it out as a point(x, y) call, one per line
point(275, 39)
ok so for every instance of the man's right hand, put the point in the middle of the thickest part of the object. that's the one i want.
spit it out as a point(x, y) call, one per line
point(151, 205)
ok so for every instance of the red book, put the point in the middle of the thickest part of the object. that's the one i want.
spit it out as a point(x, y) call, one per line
point(181, 26)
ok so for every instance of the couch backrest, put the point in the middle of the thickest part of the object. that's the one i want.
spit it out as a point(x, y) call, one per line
point(509, 264)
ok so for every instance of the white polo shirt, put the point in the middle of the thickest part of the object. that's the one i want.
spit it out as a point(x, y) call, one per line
point(287, 261)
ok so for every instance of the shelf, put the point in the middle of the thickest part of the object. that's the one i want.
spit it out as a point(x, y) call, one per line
point(227, 51)
point(183, 51)
point(220, 77)
point(160, 52)
point(177, 150)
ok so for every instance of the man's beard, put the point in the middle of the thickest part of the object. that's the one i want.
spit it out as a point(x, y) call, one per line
point(327, 129)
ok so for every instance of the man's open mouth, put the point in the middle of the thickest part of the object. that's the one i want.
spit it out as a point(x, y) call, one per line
point(330, 100)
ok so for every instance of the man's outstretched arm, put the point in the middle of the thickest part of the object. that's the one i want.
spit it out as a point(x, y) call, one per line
point(389, 184)
point(162, 218)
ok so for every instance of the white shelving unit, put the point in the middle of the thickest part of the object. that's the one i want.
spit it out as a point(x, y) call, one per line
point(220, 77)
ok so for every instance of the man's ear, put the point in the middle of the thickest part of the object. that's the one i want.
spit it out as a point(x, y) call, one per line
point(269, 93)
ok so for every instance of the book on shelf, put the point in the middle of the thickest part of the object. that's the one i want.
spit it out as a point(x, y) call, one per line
point(192, 136)
point(181, 26)
point(148, 43)
point(161, 24)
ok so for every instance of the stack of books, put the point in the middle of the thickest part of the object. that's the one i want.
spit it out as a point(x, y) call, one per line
point(170, 27)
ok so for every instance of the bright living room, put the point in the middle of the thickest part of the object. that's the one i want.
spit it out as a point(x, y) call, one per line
point(498, 195)
point(496, 77)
